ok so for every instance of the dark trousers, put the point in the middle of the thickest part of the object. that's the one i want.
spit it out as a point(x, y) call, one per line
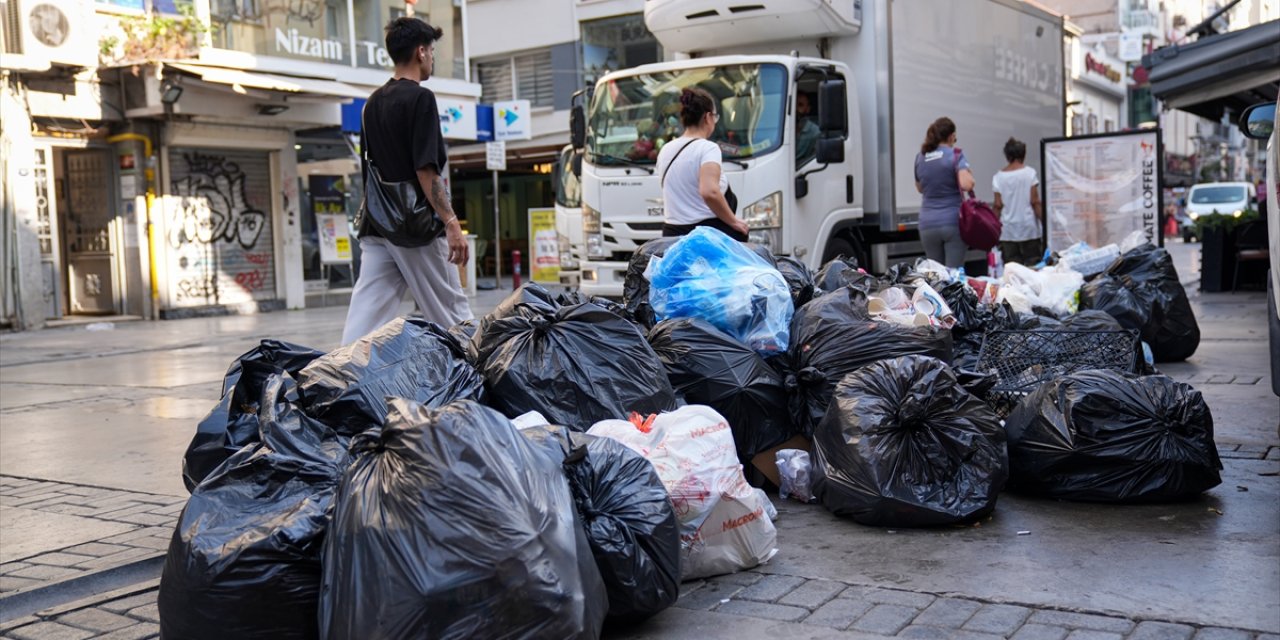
point(1024, 252)
point(676, 230)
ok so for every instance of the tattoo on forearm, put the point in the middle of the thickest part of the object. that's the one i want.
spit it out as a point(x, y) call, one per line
point(440, 197)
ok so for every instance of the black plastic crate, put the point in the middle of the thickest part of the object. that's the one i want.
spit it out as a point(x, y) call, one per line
point(1024, 360)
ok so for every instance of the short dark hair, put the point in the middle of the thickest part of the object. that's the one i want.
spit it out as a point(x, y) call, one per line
point(405, 35)
point(695, 103)
point(1015, 149)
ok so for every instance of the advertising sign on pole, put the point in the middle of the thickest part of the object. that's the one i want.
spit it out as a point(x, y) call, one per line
point(544, 247)
point(1100, 188)
point(511, 120)
point(495, 156)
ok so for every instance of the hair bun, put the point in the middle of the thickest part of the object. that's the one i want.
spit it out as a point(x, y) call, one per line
point(686, 97)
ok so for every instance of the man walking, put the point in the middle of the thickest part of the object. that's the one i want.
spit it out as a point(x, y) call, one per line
point(402, 139)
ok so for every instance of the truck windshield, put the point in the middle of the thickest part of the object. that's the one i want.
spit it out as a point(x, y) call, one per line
point(1217, 195)
point(632, 117)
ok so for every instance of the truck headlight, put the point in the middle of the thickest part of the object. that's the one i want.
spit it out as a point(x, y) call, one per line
point(771, 239)
point(591, 228)
point(765, 213)
point(1193, 215)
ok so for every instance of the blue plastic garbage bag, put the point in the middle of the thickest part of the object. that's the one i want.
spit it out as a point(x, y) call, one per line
point(709, 276)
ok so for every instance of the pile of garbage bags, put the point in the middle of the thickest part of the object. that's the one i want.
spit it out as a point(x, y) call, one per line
point(724, 523)
point(1106, 436)
point(904, 444)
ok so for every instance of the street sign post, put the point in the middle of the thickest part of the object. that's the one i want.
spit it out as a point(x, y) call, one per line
point(495, 160)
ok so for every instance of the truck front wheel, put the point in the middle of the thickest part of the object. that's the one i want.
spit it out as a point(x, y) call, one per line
point(844, 246)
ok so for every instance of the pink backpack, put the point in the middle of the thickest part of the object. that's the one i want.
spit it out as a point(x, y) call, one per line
point(979, 226)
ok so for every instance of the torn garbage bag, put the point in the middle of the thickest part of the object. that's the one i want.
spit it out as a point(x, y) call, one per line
point(707, 366)
point(576, 366)
point(450, 524)
point(1107, 436)
point(244, 561)
point(905, 445)
point(628, 517)
point(1141, 290)
point(348, 388)
point(724, 523)
point(233, 423)
point(840, 273)
point(707, 275)
point(833, 336)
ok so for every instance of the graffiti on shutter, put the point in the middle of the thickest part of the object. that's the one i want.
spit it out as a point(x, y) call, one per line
point(219, 235)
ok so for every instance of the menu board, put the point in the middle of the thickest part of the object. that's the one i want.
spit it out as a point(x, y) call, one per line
point(1100, 188)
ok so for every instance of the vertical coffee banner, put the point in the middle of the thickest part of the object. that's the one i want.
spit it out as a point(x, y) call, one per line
point(1100, 188)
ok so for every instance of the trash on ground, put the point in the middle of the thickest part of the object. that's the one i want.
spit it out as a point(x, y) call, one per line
point(796, 471)
point(1142, 291)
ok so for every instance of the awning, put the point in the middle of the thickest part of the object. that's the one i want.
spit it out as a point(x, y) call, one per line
point(1229, 71)
point(270, 81)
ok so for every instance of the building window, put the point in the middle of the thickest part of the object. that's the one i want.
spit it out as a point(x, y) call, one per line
point(1092, 127)
point(617, 43)
point(1077, 124)
point(372, 16)
point(531, 80)
point(314, 31)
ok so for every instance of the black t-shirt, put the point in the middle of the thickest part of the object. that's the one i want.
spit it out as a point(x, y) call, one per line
point(402, 133)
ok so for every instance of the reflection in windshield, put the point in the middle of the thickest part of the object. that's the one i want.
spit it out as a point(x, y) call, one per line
point(1217, 195)
point(569, 191)
point(634, 117)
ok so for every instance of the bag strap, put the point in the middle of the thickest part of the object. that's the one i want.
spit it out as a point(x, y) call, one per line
point(663, 181)
point(955, 165)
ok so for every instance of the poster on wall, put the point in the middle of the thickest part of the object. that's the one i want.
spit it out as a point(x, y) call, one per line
point(1100, 188)
point(329, 205)
point(544, 247)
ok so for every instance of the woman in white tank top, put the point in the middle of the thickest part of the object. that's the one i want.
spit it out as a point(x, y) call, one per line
point(695, 191)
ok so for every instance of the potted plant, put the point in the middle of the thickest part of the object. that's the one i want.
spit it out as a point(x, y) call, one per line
point(1218, 248)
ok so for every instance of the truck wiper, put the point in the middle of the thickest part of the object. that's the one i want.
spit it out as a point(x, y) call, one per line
point(740, 163)
point(626, 161)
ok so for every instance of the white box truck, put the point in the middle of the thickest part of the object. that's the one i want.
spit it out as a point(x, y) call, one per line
point(876, 72)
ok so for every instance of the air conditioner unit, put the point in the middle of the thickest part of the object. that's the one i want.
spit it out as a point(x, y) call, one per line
point(39, 34)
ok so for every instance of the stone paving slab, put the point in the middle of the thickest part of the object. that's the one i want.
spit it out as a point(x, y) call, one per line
point(54, 531)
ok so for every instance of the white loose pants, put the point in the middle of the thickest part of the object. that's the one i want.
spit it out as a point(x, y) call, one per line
point(386, 270)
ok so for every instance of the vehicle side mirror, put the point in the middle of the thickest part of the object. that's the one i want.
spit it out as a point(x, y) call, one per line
point(578, 127)
point(833, 110)
point(575, 165)
point(830, 151)
point(1259, 121)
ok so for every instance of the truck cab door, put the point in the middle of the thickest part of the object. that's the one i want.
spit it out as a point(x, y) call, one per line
point(822, 173)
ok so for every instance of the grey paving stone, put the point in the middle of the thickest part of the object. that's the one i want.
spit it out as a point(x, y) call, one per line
point(125, 537)
point(770, 588)
point(1040, 632)
point(37, 500)
point(1273, 453)
point(132, 602)
point(10, 567)
point(1219, 378)
point(885, 619)
point(1219, 633)
point(49, 631)
point(1224, 446)
point(128, 508)
point(1240, 455)
point(922, 632)
point(8, 625)
point(86, 491)
point(742, 578)
point(1161, 631)
point(948, 613)
point(707, 597)
point(148, 519)
point(118, 559)
point(45, 573)
point(139, 631)
point(839, 613)
point(67, 509)
point(58, 559)
point(1247, 380)
point(175, 509)
point(1091, 634)
point(812, 594)
point(1267, 636)
point(904, 598)
point(998, 618)
point(766, 610)
point(146, 613)
point(151, 542)
point(96, 620)
point(1073, 620)
point(14, 583)
point(95, 549)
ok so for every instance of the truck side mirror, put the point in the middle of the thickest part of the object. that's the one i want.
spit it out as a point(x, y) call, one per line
point(830, 150)
point(575, 165)
point(577, 127)
point(1258, 121)
point(833, 110)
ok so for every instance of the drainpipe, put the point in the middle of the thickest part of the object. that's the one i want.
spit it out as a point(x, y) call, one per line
point(149, 173)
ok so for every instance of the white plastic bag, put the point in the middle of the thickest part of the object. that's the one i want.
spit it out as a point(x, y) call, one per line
point(794, 468)
point(724, 523)
point(1054, 288)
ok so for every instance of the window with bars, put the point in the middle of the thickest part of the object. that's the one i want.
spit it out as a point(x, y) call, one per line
point(532, 79)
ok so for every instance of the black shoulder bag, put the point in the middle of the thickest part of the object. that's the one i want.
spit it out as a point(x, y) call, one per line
point(397, 211)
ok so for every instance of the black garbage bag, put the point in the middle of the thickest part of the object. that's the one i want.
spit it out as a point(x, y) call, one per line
point(576, 366)
point(1107, 436)
point(1091, 320)
point(840, 273)
point(963, 301)
point(629, 519)
point(570, 298)
point(905, 445)
point(967, 343)
point(244, 561)
point(1142, 291)
point(406, 358)
point(233, 423)
point(450, 524)
point(799, 279)
point(832, 336)
point(635, 287)
point(707, 366)
point(464, 333)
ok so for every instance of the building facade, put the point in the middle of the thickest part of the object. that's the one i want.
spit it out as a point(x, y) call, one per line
point(177, 176)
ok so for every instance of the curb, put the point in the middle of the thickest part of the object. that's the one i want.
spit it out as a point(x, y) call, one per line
point(52, 597)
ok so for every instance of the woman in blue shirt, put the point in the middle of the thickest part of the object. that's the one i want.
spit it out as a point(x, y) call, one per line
point(942, 173)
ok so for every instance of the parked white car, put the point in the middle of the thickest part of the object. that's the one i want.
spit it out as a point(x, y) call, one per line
point(1228, 198)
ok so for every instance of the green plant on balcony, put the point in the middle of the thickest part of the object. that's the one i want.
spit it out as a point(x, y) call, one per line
point(154, 37)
